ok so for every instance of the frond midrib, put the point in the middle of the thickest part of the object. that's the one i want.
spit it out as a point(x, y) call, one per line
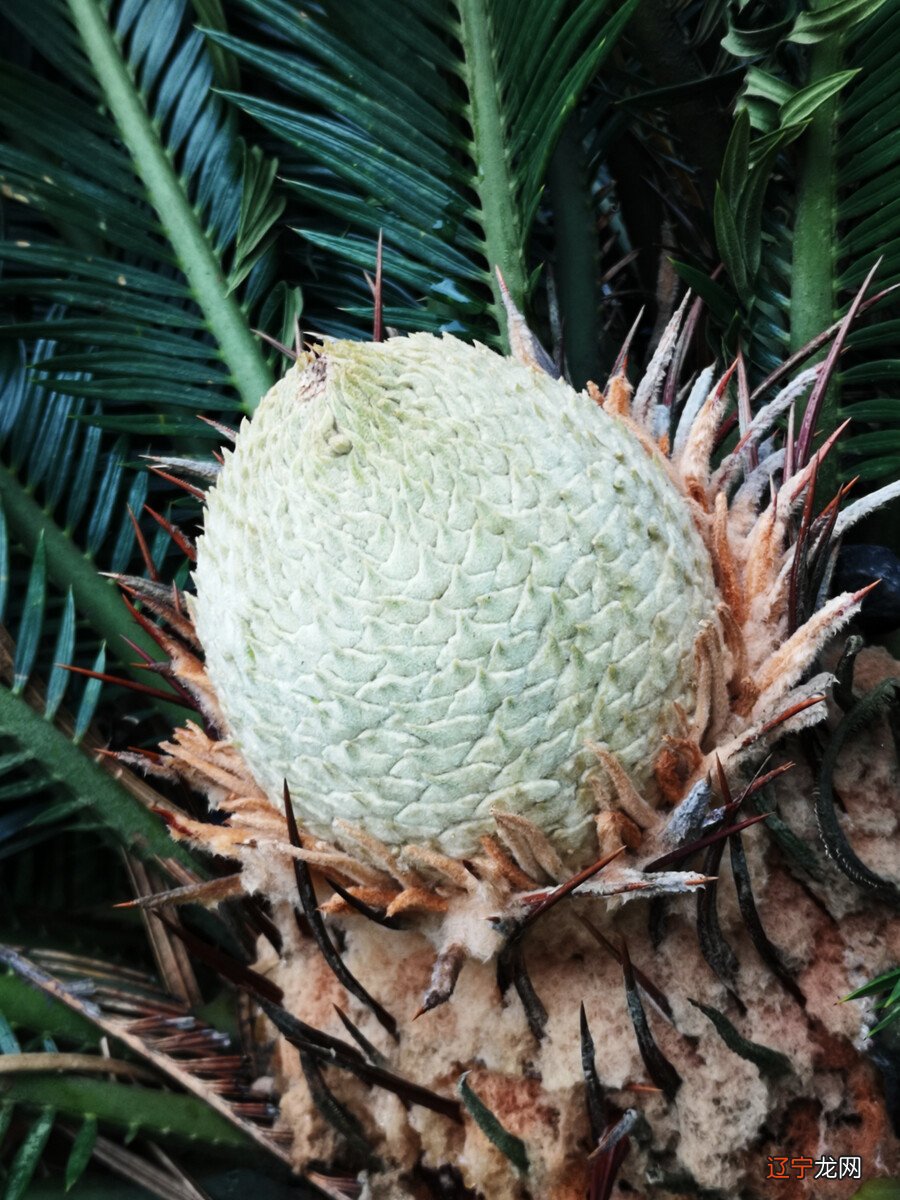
point(224, 317)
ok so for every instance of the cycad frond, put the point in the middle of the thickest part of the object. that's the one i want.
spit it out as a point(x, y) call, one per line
point(867, 227)
point(448, 154)
point(171, 269)
point(60, 1009)
point(818, 93)
point(49, 777)
point(122, 323)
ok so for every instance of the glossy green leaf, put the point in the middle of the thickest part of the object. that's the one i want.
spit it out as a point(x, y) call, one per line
point(62, 656)
point(748, 218)
point(763, 114)
point(804, 103)
point(874, 410)
point(76, 774)
point(891, 1017)
point(120, 552)
point(409, 153)
point(28, 1156)
point(750, 43)
point(32, 620)
point(728, 241)
point(9, 1043)
point(25, 1007)
point(878, 370)
point(874, 467)
point(171, 199)
point(736, 163)
point(260, 209)
point(892, 998)
point(82, 1149)
point(720, 302)
point(90, 697)
point(47, 24)
point(763, 147)
point(512, 1147)
point(832, 19)
point(106, 499)
point(764, 86)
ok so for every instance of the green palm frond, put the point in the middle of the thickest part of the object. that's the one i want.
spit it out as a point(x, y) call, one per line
point(133, 283)
point(158, 291)
point(80, 522)
point(47, 779)
point(433, 122)
point(66, 1075)
point(868, 228)
point(818, 96)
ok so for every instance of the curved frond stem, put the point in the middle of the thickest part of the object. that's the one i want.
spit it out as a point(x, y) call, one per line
point(493, 181)
point(813, 301)
point(229, 325)
point(69, 766)
point(577, 256)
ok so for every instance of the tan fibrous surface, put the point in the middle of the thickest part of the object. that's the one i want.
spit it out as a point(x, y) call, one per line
point(727, 1117)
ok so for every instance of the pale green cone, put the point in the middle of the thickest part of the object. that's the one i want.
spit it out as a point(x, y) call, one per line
point(428, 575)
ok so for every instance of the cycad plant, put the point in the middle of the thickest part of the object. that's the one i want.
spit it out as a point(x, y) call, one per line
point(193, 193)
